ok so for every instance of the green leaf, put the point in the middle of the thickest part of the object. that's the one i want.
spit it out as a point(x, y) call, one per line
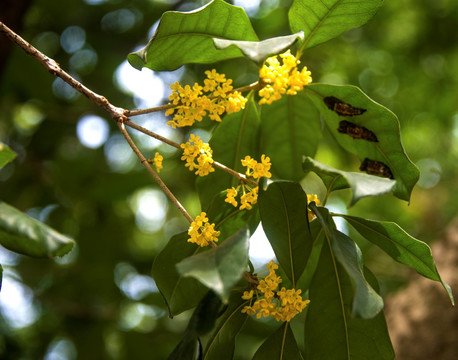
point(6, 155)
point(283, 210)
point(180, 293)
point(234, 138)
point(291, 129)
point(24, 235)
point(187, 37)
point(222, 343)
point(219, 268)
point(330, 331)
point(362, 185)
point(366, 303)
point(400, 246)
point(280, 345)
point(326, 19)
point(381, 139)
point(258, 51)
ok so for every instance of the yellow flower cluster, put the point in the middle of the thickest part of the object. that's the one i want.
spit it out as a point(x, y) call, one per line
point(249, 195)
point(193, 103)
point(310, 213)
point(198, 155)
point(158, 161)
point(201, 232)
point(283, 305)
point(282, 77)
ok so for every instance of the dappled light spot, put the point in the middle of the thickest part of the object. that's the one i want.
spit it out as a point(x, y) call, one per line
point(61, 349)
point(47, 42)
point(119, 155)
point(83, 61)
point(251, 6)
point(27, 117)
point(120, 21)
point(72, 39)
point(135, 286)
point(92, 131)
point(64, 91)
point(146, 87)
point(260, 250)
point(430, 173)
point(150, 208)
point(139, 317)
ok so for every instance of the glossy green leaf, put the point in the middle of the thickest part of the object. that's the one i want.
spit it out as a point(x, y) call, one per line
point(187, 37)
point(366, 303)
point(326, 19)
point(377, 121)
point(258, 51)
point(219, 268)
point(234, 138)
point(362, 185)
point(202, 321)
point(221, 345)
point(291, 129)
point(280, 345)
point(331, 332)
point(6, 155)
point(180, 293)
point(24, 235)
point(400, 246)
point(283, 210)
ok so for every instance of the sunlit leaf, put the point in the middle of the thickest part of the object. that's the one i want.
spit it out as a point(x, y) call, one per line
point(258, 51)
point(283, 210)
point(376, 136)
point(219, 268)
point(180, 293)
point(326, 19)
point(362, 185)
point(400, 246)
point(367, 303)
point(330, 331)
point(280, 345)
point(24, 235)
point(6, 155)
point(234, 138)
point(187, 37)
point(221, 345)
point(291, 129)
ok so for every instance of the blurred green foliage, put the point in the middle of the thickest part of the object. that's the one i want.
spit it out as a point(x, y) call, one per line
point(99, 302)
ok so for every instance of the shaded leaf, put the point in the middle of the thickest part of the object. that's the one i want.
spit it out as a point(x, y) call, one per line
point(6, 155)
point(24, 235)
point(234, 138)
point(222, 343)
point(291, 129)
point(180, 293)
point(330, 331)
point(326, 19)
point(400, 246)
point(280, 345)
point(283, 210)
point(187, 37)
point(258, 51)
point(219, 268)
point(362, 185)
point(380, 121)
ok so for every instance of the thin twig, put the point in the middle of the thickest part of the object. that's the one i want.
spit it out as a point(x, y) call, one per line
point(156, 177)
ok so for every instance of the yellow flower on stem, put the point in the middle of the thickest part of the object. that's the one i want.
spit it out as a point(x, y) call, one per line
point(201, 232)
point(282, 77)
point(312, 198)
point(198, 155)
point(158, 161)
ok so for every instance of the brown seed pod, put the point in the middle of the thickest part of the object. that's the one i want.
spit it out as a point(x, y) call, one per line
point(356, 131)
point(341, 108)
point(374, 167)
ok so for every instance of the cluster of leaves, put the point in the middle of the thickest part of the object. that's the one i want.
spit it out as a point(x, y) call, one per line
point(344, 319)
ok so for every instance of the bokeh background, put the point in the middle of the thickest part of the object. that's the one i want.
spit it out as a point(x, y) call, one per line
point(75, 172)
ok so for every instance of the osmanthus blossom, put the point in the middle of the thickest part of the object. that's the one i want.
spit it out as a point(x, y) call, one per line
point(201, 232)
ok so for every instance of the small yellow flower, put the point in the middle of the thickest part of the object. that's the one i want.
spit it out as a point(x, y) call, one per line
point(201, 232)
point(198, 155)
point(230, 196)
point(282, 77)
point(158, 161)
point(312, 198)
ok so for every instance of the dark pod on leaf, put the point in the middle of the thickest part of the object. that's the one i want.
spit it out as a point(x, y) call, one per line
point(356, 131)
point(341, 108)
point(374, 167)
